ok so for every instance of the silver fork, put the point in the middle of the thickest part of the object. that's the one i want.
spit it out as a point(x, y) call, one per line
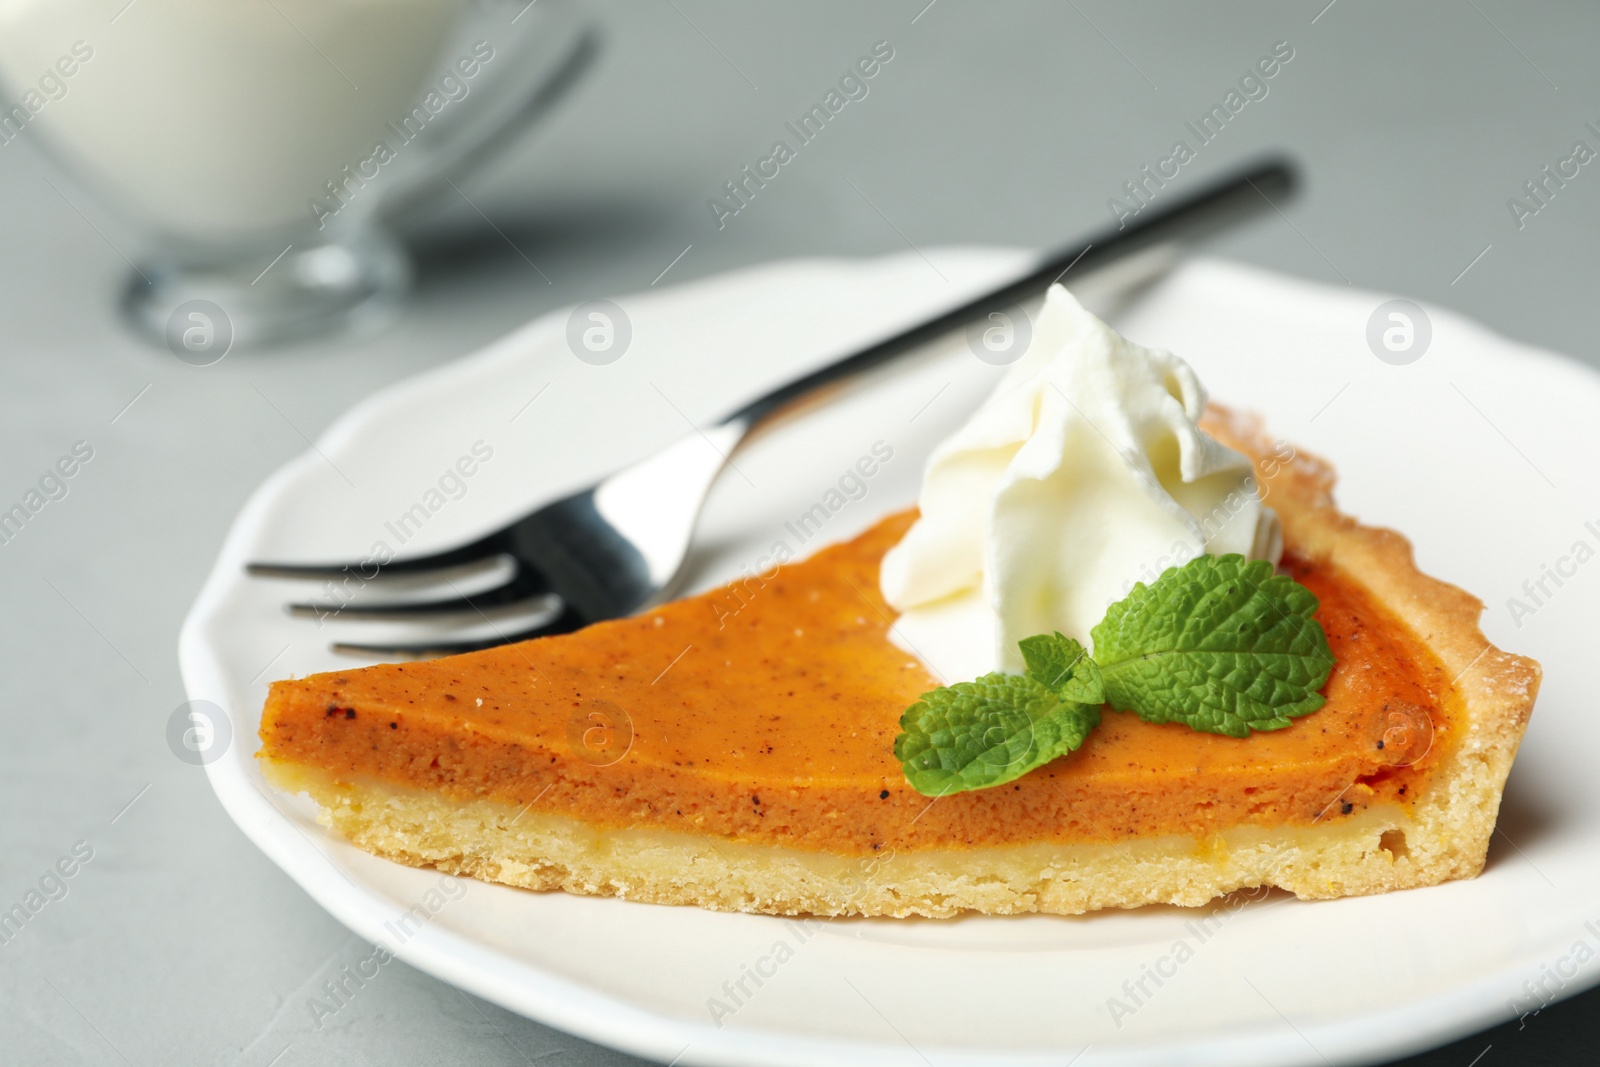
point(619, 546)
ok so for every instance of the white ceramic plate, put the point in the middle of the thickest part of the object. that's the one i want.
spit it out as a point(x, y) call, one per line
point(1482, 451)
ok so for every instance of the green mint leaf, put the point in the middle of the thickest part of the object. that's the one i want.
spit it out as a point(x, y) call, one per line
point(1062, 665)
point(1219, 644)
point(973, 735)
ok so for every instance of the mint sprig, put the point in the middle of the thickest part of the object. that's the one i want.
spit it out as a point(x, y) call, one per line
point(1061, 665)
point(973, 735)
point(1221, 645)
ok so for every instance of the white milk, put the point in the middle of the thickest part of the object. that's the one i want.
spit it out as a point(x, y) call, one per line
point(216, 119)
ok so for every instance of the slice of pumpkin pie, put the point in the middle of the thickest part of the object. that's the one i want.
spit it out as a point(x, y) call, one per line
point(781, 745)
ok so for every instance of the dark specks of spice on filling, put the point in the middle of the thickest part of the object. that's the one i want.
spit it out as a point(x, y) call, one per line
point(349, 713)
point(883, 795)
point(1346, 808)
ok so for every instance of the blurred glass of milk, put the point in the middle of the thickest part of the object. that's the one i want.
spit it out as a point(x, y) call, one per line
point(258, 145)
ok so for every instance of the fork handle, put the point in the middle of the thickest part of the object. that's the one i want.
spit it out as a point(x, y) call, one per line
point(1193, 217)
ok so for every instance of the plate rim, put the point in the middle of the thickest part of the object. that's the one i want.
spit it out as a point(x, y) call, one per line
point(614, 1021)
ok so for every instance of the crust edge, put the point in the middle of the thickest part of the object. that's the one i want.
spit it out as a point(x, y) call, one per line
point(1496, 689)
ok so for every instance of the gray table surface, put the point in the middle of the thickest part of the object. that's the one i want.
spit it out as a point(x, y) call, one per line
point(999, 123)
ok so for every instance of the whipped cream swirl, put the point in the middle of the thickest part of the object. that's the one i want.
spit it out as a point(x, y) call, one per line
point(1085, 472)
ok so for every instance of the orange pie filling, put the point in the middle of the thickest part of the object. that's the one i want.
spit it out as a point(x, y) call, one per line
point(766, 712)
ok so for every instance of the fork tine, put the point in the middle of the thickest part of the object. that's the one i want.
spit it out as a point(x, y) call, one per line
point(523, 587)
point(481, 549)
point(564, 622)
